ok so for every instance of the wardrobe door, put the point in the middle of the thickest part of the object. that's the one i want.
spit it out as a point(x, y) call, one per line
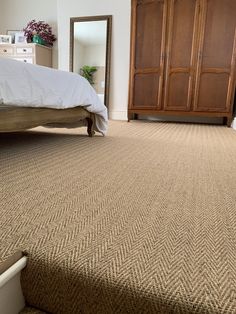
point(147, 53)
point(183, 17)
point(216, 58)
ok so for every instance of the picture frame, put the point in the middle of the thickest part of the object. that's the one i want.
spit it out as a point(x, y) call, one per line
point(12, 33)
point(5, 39)
point(20, 38)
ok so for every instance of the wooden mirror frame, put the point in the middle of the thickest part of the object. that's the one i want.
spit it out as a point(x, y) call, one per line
point(107, 18)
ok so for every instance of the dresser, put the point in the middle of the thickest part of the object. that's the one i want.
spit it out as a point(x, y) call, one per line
point(30, 53)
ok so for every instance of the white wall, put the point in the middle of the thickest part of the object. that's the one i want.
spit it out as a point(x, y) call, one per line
point(78, 51)
point(16, 14)
point(234, 124)
point(120, 10)
point(95, 55)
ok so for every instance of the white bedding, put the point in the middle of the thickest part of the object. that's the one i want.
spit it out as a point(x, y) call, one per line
point(28, 85)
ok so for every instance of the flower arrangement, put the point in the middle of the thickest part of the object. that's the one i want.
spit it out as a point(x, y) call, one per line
point(41, 30)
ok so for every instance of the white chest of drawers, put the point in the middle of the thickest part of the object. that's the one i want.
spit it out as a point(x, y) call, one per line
point(30, 53)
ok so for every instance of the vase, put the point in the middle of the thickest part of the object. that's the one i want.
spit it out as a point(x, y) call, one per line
point(38, 40)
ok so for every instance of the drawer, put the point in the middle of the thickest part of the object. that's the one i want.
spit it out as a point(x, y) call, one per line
point(26, 60)
point(6, 50)
point(24, 50)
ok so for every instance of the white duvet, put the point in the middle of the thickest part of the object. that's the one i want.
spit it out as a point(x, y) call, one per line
point(28, 85)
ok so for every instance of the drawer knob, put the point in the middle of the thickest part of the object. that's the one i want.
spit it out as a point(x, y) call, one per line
point(25, 60)
point(24, 50)
point(4, 50)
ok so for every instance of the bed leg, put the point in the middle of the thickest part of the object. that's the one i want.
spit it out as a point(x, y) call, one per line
point(90, 127)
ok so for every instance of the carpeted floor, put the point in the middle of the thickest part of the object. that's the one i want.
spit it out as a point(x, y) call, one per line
point(30, 310)
point(140, 221)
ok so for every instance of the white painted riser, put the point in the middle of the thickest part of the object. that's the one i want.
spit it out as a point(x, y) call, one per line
point(11, 296)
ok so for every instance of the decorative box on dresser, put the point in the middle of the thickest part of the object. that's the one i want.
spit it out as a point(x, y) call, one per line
point(30, 53)
point(183, 58)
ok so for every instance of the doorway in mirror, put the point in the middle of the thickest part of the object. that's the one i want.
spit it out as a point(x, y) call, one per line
point(90, 51)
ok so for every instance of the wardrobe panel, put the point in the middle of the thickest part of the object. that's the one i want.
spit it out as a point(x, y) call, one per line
point(216, 57)
point(146, 90)
point(147, 51)
point(149, 28)
point(182, 33)
point(178, 91)
point(181, 46)
point(213, 92)
point(219, 31)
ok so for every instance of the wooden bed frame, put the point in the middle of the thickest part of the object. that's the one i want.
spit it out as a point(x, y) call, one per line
point(14, 119)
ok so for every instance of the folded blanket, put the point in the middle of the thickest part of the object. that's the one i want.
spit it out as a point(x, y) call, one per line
point(28, 85)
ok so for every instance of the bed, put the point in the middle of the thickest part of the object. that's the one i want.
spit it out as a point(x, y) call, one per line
point(13, 118)
point(32, 95)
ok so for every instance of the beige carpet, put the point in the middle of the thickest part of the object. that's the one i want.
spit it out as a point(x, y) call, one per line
point(30, 310)
point(141, 221)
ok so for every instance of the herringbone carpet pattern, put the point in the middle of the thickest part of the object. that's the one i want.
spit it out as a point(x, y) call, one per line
point(30, 310)
point(141, 221)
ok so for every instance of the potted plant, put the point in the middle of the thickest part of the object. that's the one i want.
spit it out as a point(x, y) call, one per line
point(39, 32)
point(87, 72)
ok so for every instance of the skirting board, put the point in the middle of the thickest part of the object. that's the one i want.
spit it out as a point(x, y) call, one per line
point(11, 296)
point(122, 115)
point(118, 115)
point(234, 124)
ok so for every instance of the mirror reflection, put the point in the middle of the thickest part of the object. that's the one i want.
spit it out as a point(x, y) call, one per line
point(90, 51)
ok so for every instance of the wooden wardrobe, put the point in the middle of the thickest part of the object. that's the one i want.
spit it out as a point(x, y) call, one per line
point(183, 58)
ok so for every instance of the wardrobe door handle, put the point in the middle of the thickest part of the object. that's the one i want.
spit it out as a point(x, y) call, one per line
point(200, 55)
point(163, 56)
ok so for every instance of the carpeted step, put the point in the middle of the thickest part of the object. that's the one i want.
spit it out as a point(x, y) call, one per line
point(8, 259)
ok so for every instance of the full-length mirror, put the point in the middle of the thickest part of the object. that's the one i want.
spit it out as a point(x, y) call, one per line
point(90, 51)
